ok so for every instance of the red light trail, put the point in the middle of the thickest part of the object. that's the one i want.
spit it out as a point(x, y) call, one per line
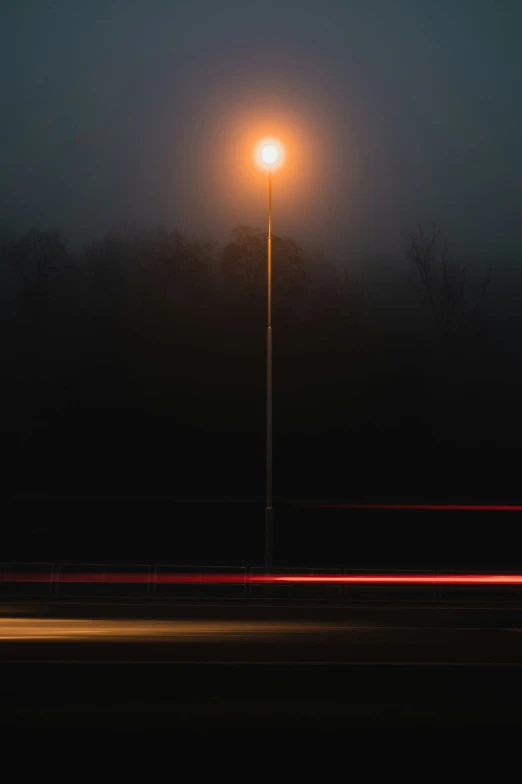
point(422, 507)
point(263, 579)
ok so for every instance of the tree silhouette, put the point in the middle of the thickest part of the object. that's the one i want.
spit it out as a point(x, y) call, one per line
point(37, 261)
point(456, 301)
point(457, 304)
point(244, 264)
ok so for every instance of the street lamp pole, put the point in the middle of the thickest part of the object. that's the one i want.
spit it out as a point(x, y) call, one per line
point(269, 512)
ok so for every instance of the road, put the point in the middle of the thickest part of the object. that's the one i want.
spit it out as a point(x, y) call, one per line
point(261, 663)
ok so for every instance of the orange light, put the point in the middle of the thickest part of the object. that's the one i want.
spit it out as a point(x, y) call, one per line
point(269, 153)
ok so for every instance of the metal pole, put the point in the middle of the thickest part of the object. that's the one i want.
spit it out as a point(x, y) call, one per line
point(269, 512)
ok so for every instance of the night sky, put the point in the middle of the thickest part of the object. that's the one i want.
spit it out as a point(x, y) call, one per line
point(393, 113)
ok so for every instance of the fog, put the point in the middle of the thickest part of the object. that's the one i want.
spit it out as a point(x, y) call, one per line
point(393, 114)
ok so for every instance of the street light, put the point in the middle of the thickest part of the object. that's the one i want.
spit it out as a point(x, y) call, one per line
point(271, 156)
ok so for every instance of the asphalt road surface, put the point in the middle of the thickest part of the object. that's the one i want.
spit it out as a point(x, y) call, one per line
point(260, 664)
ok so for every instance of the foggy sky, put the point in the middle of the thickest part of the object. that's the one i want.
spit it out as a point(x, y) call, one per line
point(395, 112)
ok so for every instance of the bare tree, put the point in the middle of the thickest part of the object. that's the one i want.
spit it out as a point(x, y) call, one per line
point(36, 261)
point(457, 304)
point(456, 301)
point(36, 258)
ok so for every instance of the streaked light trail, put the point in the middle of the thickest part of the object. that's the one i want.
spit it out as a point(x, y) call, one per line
point(264, 579)
point(12, 629)
point(422, 507)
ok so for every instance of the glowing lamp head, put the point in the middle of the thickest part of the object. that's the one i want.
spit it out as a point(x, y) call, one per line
point(269, 154)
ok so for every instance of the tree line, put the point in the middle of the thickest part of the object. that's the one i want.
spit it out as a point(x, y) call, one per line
point(148, 346)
